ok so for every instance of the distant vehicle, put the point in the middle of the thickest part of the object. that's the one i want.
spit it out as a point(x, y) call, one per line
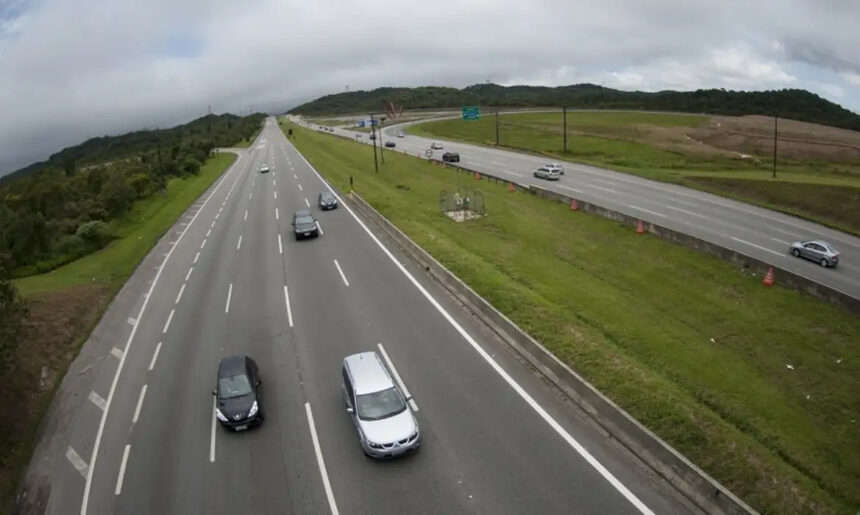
point(555, 166)
point(327, 200)
point(389, 144)
point(548, 174)
point(386, 426)
point(304, 225)
point(237, 393)
point(436, 146)
point(401, 134)
point(372, 136)
point(451, 157)
point(264, 168)
point(819, 251)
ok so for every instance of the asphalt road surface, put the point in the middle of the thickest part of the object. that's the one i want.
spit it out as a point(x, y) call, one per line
point(761, 233)
point(132, 429)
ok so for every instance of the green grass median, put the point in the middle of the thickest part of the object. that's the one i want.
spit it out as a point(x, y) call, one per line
point(755, 385)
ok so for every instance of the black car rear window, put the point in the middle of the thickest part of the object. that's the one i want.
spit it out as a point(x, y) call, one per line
point(304, 220)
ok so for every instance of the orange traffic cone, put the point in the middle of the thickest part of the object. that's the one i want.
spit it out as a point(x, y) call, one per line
point(768, 279)
point(573, 205)
point(477, 176)
point(511, 187)
point(640, 228)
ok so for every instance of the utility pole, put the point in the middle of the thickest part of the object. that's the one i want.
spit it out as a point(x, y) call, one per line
point(373, 140)
point(497, 127)
point(381, 146)
point(775, 118)
point(564, 123)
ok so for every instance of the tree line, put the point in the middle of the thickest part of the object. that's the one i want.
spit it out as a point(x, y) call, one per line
point(59, 210)
point(796, 104)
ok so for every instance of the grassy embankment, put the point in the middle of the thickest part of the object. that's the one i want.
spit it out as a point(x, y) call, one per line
point(655, 145)
point(686, 343)
point(65, 305)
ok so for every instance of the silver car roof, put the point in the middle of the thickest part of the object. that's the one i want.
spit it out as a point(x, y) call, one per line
point(368, 373)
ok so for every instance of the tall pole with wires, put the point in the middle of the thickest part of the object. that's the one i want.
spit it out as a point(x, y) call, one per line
point(373, 140)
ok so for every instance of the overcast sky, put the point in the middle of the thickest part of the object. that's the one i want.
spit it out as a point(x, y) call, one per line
point(73, 69)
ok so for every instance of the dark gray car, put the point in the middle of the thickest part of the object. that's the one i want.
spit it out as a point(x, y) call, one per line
point(237, 393)
point(304, 225)
point(327, 201)
point(819, 251)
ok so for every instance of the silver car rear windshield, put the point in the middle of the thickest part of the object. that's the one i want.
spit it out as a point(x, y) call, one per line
point(379, 405)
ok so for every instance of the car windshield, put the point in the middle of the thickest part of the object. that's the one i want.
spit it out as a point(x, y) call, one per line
point(379, 405)
point(233, 386)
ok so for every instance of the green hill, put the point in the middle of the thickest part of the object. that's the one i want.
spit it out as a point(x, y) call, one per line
point(796, 104)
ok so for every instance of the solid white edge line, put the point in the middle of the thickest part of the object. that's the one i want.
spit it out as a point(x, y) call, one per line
point(179, 295)
point(121, 474)
point(318, 450)
point(139, 405)
point(212, 436)
point(495, 366)
point(646, 210)
point(155, 356)
point(239, 243)
point(189, 272)
point(167, 323)
point(280, 245)
point(342, 276)
point(780, 254)
point(95, 454)
point(229, 295)
point(397, 378)
point(287, 300)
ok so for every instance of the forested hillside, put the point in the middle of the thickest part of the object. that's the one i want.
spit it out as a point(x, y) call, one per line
point(59, 210)
point(788, 103)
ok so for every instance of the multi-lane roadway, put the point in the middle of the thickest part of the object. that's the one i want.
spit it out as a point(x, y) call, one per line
point(761, 233)
point(132, 429)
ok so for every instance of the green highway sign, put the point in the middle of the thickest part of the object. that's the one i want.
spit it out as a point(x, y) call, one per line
point(471, 113)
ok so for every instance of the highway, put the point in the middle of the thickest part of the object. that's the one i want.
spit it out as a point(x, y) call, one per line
point(761, 233)
point(132, 427)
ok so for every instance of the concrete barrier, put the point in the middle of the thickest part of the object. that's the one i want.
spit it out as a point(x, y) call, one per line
point(690, 480)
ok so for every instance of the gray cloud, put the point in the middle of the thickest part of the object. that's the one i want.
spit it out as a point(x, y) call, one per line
point(70, 69)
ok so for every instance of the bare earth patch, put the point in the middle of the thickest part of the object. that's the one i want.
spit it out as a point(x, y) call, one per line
point(50, 340)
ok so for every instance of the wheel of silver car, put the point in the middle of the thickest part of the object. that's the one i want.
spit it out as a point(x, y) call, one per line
point(823, 263)
point(795, 252)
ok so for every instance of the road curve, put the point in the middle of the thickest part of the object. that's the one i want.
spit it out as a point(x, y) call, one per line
point(758, 232)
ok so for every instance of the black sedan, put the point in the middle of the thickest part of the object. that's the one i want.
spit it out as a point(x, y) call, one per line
point(237, 393)
point(304, 225)
point(389, 144)
point(327, 201)
point(451, 157)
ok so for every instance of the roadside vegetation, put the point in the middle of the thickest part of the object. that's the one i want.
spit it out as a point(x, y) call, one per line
point(818, 168)
point(755, 385)
point(72, 230)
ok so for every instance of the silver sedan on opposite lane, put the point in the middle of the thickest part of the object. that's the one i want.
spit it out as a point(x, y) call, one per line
point(819, 251)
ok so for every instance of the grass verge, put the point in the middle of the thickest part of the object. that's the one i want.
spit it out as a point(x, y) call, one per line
point(64, 306)
point(653, 145)
point(686, 343)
